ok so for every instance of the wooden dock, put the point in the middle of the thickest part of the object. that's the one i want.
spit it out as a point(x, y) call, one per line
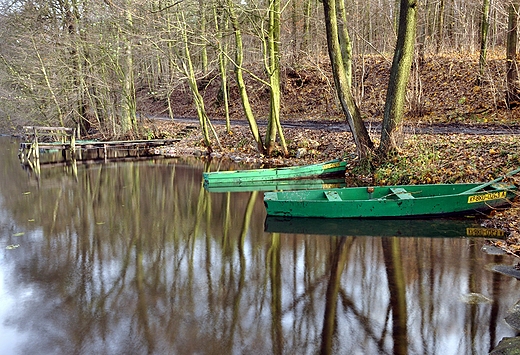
point(63, 140)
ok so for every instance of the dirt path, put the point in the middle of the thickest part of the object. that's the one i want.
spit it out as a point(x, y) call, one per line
point(436, 128)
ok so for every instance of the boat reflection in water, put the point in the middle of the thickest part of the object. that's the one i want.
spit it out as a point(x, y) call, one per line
point(430, 228)
point(397, 282)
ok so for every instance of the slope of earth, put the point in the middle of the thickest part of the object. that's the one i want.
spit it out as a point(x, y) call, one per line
point(442, 89)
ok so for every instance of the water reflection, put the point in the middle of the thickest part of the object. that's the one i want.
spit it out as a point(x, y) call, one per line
point(138, 258)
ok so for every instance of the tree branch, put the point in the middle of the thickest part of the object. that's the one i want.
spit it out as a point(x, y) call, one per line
point(167, 7)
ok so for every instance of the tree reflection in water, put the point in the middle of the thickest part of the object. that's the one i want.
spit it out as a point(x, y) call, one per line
point(138, 258)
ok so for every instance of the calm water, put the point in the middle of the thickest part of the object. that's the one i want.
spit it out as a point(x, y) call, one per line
point(136, 258)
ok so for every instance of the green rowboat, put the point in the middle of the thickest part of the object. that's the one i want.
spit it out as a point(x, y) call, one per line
point(242, 177)
point(279, 185)
point(390, 201)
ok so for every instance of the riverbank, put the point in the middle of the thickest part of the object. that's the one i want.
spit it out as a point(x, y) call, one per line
point(443, 93)
point(425, 158)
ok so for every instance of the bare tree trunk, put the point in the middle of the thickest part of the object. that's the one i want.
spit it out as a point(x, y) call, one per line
point(484, 29)
point(396, 16)
point(222, 61)
point(273, 53)
point(239, 59)
point(306, 26)
point(391, 134)
point(171, 64)
point(440, 26)
point(45, 74)
point(187, 64)
point(423, 34)
point(294, 34)
point(128, 107)
point(345, 42)
point(513, 89)
point(361, 138)
point(78, 77)
point(204, 50)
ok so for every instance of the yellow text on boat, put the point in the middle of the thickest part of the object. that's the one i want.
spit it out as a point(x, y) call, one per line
point(484, 232)
point(331, 165)
point(487, 197)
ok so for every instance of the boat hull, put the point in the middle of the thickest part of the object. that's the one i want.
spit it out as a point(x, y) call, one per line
point(390, 201)
point(243, 177)
point(279, 185)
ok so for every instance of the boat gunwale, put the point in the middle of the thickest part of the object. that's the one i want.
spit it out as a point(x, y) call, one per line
point(386, 207)
point(509, 187)
point(271, 174)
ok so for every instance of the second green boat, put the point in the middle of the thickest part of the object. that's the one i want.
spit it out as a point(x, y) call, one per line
point(390, 201)
point(242, 177)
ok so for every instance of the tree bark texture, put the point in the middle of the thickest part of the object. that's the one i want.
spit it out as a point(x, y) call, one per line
point(273, 53)
point(350, 109)
point(391, 134)
point(239, 60)
point(513, 89)
point(128, 107)
point(484, 30)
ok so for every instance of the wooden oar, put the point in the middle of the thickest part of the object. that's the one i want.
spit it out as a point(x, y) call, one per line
point(486, 184)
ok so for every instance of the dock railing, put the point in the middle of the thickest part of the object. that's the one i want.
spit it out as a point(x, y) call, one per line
point(62, 138)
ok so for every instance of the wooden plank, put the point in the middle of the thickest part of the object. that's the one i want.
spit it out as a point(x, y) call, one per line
point(486, 184)
point(332, 196)
point(112, 143)
point(130, 143)
point(401, 193)
point(54, 145)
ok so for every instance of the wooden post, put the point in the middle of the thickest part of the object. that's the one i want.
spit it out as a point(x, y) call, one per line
point(73, 144)
point(21, 154)
point(35, 145)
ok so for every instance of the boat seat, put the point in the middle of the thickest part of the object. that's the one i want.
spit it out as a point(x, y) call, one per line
point(401, 193)
point(332, 196)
